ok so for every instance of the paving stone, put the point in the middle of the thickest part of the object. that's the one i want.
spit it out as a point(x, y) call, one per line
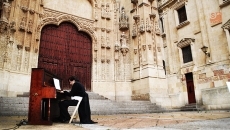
point(204, 120)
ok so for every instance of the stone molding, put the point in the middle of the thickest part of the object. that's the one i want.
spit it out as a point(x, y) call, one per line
point(226, 25)
point(185, 42)
point(56, 17)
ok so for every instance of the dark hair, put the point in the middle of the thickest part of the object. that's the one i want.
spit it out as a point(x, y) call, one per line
point(72, 78)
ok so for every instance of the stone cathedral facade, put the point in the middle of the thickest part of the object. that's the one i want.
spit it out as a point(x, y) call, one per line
point(170, 52)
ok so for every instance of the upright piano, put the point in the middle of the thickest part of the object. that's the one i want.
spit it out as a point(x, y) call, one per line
point(43, 103)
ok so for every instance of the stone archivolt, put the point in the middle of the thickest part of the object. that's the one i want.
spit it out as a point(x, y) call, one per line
point(55, 17)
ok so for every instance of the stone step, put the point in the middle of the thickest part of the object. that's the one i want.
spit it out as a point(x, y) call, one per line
point(192, 107)
point(18, 106)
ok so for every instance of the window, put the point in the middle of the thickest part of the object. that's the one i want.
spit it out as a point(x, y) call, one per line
point(162, 25)
point(187, 54)
point(182, 16)
point(164, 66)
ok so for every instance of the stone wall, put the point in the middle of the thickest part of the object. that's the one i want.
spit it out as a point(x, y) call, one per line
point(216, 98)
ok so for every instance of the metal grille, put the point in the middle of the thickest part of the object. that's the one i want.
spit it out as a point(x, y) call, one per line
point(65, 51)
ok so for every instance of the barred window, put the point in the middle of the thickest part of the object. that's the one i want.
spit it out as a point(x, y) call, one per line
point(187, 54)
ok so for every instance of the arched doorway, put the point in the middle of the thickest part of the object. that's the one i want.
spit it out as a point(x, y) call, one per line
point(65, 51)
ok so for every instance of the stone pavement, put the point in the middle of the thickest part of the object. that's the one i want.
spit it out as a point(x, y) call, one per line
point(203, 120)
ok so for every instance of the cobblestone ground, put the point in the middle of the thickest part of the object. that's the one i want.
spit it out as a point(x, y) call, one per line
point(204, 120)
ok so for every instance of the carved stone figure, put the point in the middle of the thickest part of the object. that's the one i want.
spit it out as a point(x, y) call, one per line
point(123, 39)
point(123, 20)
point(117, 47)
point(107, 42)
point(134, 31)
point(142, 26)
point(3, 27)
point(157, 28)
point(107, 11)
point(5, 11)
point(30, 25)
point(102, 42)
point(96, 15)
point(124, 48)
point(148, 25)
point(12, 26)
point(22, 25)
point(103, 11)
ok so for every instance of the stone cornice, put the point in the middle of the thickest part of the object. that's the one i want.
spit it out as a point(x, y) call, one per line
point(178, 5)
point(226, 25)
point(185, 42)
point(169, 2)
point(143, 4)
point(225, 3)
point(174, 3)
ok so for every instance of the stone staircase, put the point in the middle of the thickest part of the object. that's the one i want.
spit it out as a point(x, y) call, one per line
point(18, 106)
point(192, 107)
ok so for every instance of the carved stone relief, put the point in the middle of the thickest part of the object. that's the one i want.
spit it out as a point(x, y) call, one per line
point(123, 20)
point(30, 26)
point(107, 11)
point(142, 26)
point(12, 26)
point(5, 13)
point(22, 25)
point(107, 43)
point(58, 17)
point(134, 31)
point(136, 57)
point(124, 48)
point(157, 28)
point(148, 25)
point(103, 12)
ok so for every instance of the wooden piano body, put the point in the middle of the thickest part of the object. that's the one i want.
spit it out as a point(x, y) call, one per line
point(43, 103)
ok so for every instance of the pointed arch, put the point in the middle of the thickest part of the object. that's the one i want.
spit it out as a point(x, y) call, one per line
point(82, 24)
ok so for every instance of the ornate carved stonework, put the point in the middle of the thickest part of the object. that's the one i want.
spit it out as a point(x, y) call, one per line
point(30, 26)
point(124, 48)
point(56, 17)
point(134, 31)
point(142, 26)
point(22, 25)
point(123, 20)
point(5, 11)
point(185, 42)
point(148, 25)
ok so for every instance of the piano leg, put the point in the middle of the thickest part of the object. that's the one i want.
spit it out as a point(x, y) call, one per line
point(49, 109)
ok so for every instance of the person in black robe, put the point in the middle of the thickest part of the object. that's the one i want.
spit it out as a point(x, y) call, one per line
point(84, 108)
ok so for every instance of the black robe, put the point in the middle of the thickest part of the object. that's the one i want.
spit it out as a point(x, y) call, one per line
point(84, 109)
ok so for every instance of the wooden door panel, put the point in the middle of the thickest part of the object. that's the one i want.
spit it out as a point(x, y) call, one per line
point(191, 92)
point(62, 48)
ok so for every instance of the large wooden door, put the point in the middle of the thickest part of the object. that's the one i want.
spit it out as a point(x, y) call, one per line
point(190, 88)
point(66, 52)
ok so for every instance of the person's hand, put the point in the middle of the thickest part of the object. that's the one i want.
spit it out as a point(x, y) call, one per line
point(60, 91)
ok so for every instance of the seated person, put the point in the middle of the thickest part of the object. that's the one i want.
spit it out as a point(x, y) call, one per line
point(84, 109)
